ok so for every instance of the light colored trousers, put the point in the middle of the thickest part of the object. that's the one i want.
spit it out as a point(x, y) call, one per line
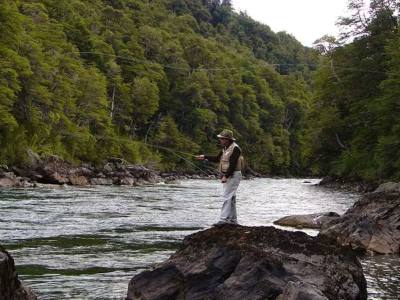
point(229, 188)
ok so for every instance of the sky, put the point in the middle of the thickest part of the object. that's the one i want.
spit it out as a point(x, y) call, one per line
point(306, 20)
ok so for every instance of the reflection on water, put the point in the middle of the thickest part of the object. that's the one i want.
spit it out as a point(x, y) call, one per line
point(383, 276)
point(77, 243)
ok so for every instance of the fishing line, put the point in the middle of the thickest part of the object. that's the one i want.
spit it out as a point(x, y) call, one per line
point(277, 67)
point(169, 66)
point(337, 66)
point(181, 157)
point(217, 189)
point(173, 151)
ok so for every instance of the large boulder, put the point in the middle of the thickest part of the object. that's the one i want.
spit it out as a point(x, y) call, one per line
point(10, 286)
point(50, 170)
point(372, 224)
point(235, 262)
point(313, 221)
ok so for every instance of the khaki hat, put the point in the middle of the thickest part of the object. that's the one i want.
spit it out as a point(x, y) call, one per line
point(226, 134)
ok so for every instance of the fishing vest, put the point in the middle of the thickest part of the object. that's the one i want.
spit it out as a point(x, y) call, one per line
point(224, 160)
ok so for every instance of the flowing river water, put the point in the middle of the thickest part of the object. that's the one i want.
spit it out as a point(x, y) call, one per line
point(87, 243)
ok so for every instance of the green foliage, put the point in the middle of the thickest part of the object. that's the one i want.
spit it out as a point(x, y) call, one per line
point(87, 80)
point(354, 125)
point(144, 100)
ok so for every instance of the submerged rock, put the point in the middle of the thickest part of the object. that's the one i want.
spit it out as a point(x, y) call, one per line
point(372, 224)
point(235, 262)
point(10, 286)
point(314, 221)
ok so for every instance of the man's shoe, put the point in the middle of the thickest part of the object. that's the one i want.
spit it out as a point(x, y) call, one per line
point(222, 223)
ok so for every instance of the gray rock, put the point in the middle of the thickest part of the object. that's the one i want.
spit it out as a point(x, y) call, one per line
point(78, 180)
point(108, 168)
point(101, 181)
point(127, 181)
point(300, 290)
point(84, 171)
point(7, 182)
point(314, 221)
point(100, 175)
point(235, 262)
point(372, 224)
point(9, 179)
point(388, 187)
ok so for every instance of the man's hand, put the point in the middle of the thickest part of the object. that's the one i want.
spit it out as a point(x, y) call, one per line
point(200, 157)
point(224, 179)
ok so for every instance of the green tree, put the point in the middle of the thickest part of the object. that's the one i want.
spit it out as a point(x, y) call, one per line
point(144, 102)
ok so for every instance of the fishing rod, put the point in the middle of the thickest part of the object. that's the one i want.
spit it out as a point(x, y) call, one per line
point(181, 157)
point(173, 151)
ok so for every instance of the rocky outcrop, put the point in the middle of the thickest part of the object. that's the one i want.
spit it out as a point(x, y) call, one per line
point(9, 179)
point(313, 221)
point(235, 262)
point(53, 170)
point(10, 286)
point(372, 224)
point(116, 171)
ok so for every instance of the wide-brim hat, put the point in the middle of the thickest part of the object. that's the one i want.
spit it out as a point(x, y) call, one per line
point(226, 134)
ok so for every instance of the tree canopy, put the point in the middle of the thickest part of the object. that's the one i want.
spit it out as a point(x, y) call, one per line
point(354, 126)
point(87, 80)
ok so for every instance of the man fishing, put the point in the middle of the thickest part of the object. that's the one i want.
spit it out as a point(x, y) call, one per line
point(230, 161)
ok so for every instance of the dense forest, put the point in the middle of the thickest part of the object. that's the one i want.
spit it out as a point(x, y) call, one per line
point(87, 80)
point(354, 125)
point(155, 81)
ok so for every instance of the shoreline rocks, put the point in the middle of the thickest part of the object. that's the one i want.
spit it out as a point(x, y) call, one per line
point(237, 262)
point(54, 170)
point(116, 171)
point(11, 287)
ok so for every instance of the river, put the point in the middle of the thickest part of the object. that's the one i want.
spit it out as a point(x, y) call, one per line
point(87, 243)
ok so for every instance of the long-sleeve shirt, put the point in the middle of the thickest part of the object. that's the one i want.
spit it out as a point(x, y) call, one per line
point(232, 160)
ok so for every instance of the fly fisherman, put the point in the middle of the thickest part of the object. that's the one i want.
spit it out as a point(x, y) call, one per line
point(230, 161)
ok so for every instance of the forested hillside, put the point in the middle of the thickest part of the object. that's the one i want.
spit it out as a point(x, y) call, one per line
point(91, 79)
point(355, 123)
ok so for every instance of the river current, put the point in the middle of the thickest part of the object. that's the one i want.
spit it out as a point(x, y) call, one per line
point(87, 243)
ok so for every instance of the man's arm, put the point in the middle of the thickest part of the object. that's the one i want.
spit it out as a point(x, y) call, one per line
point(213, 158)
point(233, 162)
